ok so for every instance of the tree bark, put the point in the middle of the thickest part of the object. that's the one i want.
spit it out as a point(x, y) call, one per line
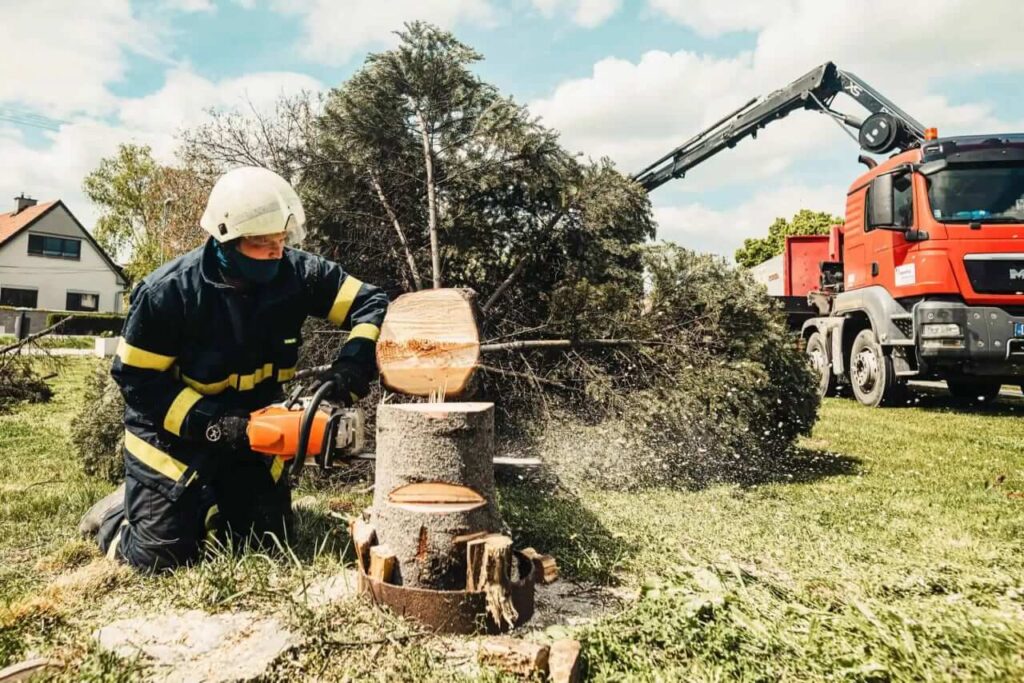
point(434, 488)
point(428, 161)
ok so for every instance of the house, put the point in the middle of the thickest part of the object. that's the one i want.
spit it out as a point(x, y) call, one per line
point(48, 261)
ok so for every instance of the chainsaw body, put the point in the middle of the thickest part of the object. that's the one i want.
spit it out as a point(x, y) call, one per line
point(334, 432)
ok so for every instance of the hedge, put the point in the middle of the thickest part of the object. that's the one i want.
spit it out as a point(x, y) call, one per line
point(88, 323)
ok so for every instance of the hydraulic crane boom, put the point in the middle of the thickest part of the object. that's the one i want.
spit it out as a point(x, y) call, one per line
point(887, 128)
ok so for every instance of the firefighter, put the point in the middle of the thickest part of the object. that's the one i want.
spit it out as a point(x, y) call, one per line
point(209, 338)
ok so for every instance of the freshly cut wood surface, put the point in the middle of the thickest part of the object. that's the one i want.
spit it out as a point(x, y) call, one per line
point(382, 563)
point(429, 343)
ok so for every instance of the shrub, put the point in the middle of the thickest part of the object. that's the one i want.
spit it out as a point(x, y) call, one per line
point(97, 431)
point(87, 323)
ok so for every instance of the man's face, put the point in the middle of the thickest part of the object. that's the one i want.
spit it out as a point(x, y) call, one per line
point(263, 247)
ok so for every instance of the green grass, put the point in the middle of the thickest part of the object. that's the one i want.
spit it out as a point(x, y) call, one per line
point(888, 548)
point(54, 342)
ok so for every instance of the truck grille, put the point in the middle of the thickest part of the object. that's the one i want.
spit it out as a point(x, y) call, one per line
point(996, 273)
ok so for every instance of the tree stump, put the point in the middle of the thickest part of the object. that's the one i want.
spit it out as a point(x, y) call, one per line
point(434, 488)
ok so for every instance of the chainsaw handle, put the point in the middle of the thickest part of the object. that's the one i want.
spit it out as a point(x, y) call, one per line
point(305, 427)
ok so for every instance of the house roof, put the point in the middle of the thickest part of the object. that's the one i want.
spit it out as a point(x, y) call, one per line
point(12, 224)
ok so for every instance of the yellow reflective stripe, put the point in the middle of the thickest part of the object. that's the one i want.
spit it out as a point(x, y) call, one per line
point(276, 468)
point(354, 397)
point(343, 302)
point(183, 403)
point(140, 358)
point(365, 331)
point(240, 382)
point(112, 550)
point(154, 457)
point(285, 374)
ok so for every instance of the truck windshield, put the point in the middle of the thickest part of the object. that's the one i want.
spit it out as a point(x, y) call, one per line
point(992, 193)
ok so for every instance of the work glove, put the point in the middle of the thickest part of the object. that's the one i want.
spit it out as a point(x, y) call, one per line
point(229, 432)
point(350, 384)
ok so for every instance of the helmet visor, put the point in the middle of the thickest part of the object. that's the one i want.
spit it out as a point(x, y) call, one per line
point(295, 232)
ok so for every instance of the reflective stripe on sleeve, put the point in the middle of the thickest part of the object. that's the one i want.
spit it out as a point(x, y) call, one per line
point(140, 358)
point(154, 457)
point(176, 414)
point(365, 331)
point(285, 374)
point(343, 302)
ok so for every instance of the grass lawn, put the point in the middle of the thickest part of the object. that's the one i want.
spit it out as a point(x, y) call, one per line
point(55, 341)
point(889, 548)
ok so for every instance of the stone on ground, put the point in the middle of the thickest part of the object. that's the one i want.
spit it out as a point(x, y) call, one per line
point(196, 646)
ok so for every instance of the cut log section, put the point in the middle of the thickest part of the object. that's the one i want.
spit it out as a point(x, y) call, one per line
point(382, 563)
point(434, 485)
point(429, 343)
point(363, 537)
point(545, 567)
point(489, 569)
point(519, 657)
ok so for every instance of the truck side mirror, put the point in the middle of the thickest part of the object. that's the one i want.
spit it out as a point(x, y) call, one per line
point(881, 209)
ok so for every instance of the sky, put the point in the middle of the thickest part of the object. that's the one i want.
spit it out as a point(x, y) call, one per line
point(626, 79)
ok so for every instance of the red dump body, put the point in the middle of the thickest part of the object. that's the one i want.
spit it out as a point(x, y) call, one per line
point(801, 261)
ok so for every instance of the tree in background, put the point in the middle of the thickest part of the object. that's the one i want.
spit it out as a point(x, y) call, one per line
point(149, 212)
point(757, 250)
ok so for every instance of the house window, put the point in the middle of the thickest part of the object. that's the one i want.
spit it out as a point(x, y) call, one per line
point(82, 301)
point(23, 298)
point(56, 247)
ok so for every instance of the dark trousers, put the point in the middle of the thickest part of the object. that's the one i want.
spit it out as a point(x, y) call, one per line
point(240, 500)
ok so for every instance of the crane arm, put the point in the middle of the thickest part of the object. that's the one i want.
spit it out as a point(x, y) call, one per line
point(887, 128)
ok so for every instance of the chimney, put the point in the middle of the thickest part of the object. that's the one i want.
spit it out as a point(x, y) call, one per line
point(23, 203)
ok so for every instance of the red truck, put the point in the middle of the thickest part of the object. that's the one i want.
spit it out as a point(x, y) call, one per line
point(925, 278)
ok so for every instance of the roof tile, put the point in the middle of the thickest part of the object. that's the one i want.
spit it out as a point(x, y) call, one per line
point(11, 223)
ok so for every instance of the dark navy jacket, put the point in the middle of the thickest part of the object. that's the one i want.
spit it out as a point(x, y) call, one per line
point(194, 347)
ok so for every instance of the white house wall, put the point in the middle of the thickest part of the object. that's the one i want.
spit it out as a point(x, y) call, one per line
point(55, 277)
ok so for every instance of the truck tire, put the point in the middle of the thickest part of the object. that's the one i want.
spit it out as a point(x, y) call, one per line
point(817, 354)
point(872, 375)
point(974, 389)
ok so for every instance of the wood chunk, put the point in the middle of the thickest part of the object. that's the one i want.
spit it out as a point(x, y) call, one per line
point(489, 569)
point(30, 668)
point(382, 563)
point(545, 567)
point(429, 343)
point(515, 656)
point(564, 662)
point(434, 492)
point(363, 537)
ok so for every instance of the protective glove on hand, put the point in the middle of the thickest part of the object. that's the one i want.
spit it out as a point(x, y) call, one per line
point(229, 431)
point(349, 383)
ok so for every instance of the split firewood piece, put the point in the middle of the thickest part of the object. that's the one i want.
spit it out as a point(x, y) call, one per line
point(489, 569)
point(382, 563)
point(515, 656)
point(564, 662)
point(429, 343)
point(363, 537)
point(545, 567)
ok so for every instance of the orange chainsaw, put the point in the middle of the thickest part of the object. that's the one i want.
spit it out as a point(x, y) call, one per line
point(307, 430)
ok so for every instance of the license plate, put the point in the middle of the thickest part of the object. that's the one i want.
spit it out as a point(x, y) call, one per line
point(1018, 329)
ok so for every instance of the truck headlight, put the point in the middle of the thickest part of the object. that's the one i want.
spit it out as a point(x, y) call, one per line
point(940, 331)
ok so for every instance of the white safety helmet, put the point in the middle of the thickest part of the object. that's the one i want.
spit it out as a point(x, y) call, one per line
point(251, 201)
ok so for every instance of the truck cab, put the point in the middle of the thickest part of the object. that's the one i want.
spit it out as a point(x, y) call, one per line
point(928, 274)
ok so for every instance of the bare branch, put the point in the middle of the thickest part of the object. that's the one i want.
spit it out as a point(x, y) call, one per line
point(398, 229)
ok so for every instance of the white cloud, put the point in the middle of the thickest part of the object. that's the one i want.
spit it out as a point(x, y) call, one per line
point(60, 56)
point(714, 17)
point(190, 5)
point(335, 31)
point(586, 13)
point(57, 169)
point(699, 227)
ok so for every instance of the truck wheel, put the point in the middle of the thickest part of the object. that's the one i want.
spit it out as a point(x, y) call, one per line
point(872, 375)
point(817, 354)
point(973, 389)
